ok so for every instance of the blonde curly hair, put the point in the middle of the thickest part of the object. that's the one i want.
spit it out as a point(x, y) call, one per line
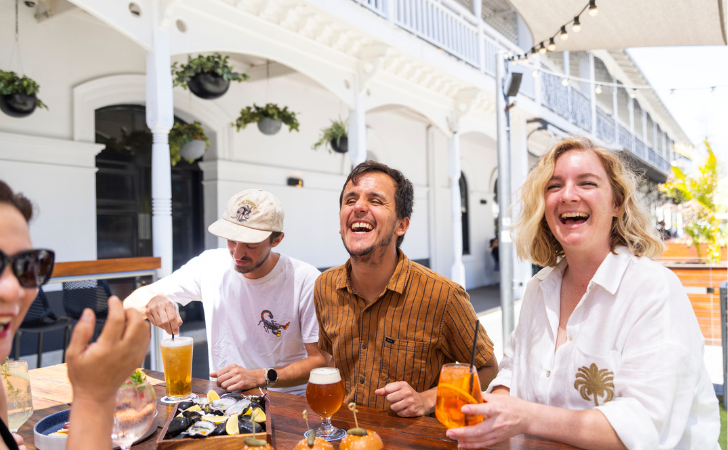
point(534, 240)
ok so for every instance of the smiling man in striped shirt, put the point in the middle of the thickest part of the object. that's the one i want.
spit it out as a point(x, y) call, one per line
point(391, 323)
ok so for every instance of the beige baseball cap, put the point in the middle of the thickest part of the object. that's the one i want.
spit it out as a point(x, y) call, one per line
point(250, 216)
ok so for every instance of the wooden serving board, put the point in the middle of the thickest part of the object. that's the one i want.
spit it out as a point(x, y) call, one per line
point(212, 442)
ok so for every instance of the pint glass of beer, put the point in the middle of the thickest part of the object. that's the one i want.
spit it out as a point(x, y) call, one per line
point(458, 386)
point(177, 361)
point(325, 395)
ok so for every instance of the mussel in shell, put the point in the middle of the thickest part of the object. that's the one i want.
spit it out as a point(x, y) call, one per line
point(192, 416)
point(201, 429)
point(182, 406)
point(219, 429)
point(177, 425)
point(246, 426)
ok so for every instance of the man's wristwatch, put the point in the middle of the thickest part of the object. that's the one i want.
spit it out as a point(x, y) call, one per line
point(271, 376)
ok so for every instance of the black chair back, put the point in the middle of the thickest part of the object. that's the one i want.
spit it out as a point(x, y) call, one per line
point(39, 311)
point(78, 295)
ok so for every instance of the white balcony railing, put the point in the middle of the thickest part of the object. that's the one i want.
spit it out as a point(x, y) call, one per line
point(453, 28)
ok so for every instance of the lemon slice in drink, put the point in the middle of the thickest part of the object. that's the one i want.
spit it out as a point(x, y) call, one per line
point(212, 396)
point(231, 427)
point(257, 415)
point(450, 390)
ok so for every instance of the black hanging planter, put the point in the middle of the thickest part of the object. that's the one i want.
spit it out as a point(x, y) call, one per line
point(343, 146)
point(18, 105)
point(208, 85)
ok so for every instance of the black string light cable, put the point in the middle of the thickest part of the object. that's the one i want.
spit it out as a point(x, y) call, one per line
point(543, 47)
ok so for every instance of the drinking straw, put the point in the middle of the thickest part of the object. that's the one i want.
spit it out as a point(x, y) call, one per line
point(472, 361)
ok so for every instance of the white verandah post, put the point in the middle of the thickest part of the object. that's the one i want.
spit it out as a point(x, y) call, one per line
point(457, 272)
point(160, 118)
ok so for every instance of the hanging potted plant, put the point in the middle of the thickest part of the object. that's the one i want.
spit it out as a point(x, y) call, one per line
point(208, 77)
point(335, 135)
point(188, 141)
point(18, 95)
point(269, 118)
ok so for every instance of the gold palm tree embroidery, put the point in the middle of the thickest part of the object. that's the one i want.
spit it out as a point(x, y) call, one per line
point(592, 382)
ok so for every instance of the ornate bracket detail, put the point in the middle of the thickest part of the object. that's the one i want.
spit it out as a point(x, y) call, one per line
point(370, 63)
point(464, 102)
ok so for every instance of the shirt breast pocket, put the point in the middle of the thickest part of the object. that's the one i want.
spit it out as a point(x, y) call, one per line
point(404, 361)
point(590, 381)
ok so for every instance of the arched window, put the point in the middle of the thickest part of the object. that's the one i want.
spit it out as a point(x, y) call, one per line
point(464, 210)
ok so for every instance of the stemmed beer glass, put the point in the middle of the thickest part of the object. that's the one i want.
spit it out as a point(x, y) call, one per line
point(325, 395)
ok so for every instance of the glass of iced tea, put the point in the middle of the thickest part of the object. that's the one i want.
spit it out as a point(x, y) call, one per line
point(325, 395)
point(17, 392)
point(458, 386)
point(177, 362)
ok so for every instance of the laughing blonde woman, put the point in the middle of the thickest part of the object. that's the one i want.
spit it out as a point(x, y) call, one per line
point(607, 353)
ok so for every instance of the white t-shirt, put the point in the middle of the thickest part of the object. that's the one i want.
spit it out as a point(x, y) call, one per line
point(633, 347)
point(255, 324)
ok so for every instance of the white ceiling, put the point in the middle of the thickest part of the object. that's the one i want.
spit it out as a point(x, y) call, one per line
point(627, 23)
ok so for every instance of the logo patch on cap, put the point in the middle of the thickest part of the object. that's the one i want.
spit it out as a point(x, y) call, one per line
point(246, 208)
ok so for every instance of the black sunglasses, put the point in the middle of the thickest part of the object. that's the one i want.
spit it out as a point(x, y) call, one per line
point(32, 268)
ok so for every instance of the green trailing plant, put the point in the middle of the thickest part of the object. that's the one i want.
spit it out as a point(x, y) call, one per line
point(697, 193)
point(336, 131)
point(256, 113)
point(182, 134)
point(10, 83)
point(215, 63)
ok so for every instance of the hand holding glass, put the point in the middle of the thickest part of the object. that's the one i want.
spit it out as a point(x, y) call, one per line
point(325, 395)
point(458, 386)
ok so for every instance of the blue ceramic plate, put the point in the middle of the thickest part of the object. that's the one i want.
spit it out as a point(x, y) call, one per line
point(55, 422)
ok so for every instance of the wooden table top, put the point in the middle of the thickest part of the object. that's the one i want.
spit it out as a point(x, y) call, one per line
point(52, 393)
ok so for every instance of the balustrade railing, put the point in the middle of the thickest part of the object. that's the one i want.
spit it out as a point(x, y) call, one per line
point(454, 29)
point(640, 149)
point(554, 96)
point(442, 23)
point(625, 137)
point(606, 130)
point(581, 114)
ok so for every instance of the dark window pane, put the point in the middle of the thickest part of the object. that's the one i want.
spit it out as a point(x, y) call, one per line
point(115, 236)
point(114, 186)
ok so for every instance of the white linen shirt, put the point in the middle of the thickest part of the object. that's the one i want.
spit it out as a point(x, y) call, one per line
point(633, 350)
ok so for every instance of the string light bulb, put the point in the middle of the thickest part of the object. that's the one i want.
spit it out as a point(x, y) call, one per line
point(577, 25)
point(593, 10)
point(535, 73)
point(552, 45)
point(564, 34)
point(542, 49)
point(533, 51)
point(672, 92)
point(525, 58)
point(564, 82)
point(598, 90)
point(633, 93)
point(712, 90)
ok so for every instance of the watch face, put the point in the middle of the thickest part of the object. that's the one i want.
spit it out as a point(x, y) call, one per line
point(272, 375)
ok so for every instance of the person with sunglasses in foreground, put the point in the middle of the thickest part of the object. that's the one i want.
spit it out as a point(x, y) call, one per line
point(96, 370)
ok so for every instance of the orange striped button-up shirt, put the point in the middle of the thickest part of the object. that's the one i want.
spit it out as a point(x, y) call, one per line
point(421, 321)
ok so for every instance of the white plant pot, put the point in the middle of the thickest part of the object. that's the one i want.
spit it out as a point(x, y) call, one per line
point(193, 150)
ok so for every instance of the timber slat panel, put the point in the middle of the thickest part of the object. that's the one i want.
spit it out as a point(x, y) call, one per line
point(76, 268)
point(288, 426)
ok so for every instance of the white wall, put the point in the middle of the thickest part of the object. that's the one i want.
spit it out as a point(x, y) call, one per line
point(72, 50)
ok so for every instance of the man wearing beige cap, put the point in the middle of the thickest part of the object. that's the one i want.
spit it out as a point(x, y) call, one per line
point(259, 313)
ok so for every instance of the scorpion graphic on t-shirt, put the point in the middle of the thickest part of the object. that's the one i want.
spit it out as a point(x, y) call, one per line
point(270, 325)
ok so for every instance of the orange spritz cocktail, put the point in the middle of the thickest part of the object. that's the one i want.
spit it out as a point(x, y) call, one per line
point(455, 390)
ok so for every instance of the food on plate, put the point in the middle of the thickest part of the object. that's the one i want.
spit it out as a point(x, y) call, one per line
point(63, 431)
point(226, 415)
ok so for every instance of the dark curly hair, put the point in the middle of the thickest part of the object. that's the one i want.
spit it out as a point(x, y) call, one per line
point(19, 201)
point(404, 194)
